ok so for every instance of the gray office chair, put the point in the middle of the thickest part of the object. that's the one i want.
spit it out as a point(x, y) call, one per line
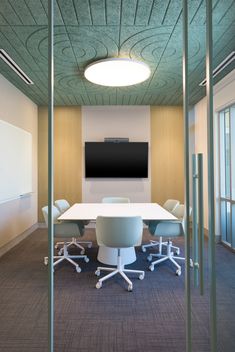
point(169, 229)
point(62, 205)
point(119, 232)
point(169, 205)
point(63, 230)
point(115, 200)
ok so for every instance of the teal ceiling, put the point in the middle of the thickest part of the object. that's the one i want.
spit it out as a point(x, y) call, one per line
point(88, 30)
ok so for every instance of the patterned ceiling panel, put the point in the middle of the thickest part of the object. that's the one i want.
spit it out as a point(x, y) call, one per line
point(89, 30)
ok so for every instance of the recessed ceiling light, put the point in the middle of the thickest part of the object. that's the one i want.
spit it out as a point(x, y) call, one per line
point(117, 72)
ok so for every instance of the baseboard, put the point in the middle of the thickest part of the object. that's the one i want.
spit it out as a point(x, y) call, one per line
point(42, 225)
point(4, 249)
point(217, 237)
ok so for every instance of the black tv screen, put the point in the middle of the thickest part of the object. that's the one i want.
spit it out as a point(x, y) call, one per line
point(116, 160)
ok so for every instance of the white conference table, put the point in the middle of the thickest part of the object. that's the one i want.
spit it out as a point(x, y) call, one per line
point(90, 211)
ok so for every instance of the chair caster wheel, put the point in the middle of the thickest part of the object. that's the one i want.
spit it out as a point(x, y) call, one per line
point(149, 258)
point(60, 252)
point(191, 263)
point(89, 245)
point(178, 272)
point(177, 252)
point(46, 261)
point(98, 285)
point(97, 273)
point(78, 269)
point(86, 259)
point(143, 249)
point(151, 267)
point(130, 288)
point(141, 276)
point(82, 252)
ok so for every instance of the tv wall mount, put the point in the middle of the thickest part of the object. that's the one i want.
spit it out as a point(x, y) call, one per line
point(116, 140)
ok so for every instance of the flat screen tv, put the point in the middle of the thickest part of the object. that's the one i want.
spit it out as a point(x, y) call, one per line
point(116, 160)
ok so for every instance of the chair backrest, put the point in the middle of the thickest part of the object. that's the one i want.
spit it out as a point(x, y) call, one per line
point(115, 200)
point(179, 211)
point(170, 204)
point(62, 205)
point(119, 232)
point(55, 211)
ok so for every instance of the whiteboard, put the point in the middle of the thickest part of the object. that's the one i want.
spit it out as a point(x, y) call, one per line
point(15, 162)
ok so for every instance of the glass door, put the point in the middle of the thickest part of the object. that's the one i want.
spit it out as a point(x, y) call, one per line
point(200, 236)
point(227, 174)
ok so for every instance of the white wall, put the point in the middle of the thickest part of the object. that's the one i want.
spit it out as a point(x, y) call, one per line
point(19, 215)
point(99, 122)
point(224, 95)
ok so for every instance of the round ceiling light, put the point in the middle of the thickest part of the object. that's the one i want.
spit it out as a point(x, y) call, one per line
point(117, 72)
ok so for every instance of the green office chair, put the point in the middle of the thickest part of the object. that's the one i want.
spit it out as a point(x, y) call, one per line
point(169, 205)
point(63, 230)
point(115, 200)
point(169, 229)
point(118, 232)
point(62, 205)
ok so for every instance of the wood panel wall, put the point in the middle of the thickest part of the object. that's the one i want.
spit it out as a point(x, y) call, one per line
point(67, 155)
point(167, 159)
point(167, 153)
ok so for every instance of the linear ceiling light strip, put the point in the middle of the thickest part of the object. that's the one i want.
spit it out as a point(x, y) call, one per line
point(230, 58)
point(8, 60)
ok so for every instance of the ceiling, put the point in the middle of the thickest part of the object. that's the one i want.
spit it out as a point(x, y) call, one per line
point(88, 30)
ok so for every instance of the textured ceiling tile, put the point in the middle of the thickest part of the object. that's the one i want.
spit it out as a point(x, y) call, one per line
point(58, 20)
point(106, 99)
point(128, 12)
point(158, 11)
point(3, 22)
point(23, 12)
point(228, 15)
point(113, 12)
point(98, 12)
point(143, 12)
point(68, 12)
point(200, 15)
point(99, 35)
point(83, 12)
point(13, 46)
point(7, 11)
point(38, 11)
point(219, 9)
point(172, 12)
point(193, 9)
point(145, 44)
point(91, 43)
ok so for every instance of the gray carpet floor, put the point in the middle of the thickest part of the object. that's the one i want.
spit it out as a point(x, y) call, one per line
point(151, 318)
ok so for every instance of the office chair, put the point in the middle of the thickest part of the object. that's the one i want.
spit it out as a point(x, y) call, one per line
point(169, 229)
point(118, 232)
point(115, 200)
point(62, 205)
point(63, 230)
point(169, 205)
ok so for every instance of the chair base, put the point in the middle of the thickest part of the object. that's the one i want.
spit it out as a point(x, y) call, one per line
point(169, 256)
point(160, 244)
point(66, 256)
point(118, 270)
point(76, 243)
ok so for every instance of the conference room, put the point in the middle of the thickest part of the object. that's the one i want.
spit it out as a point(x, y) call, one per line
point(117, 175)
